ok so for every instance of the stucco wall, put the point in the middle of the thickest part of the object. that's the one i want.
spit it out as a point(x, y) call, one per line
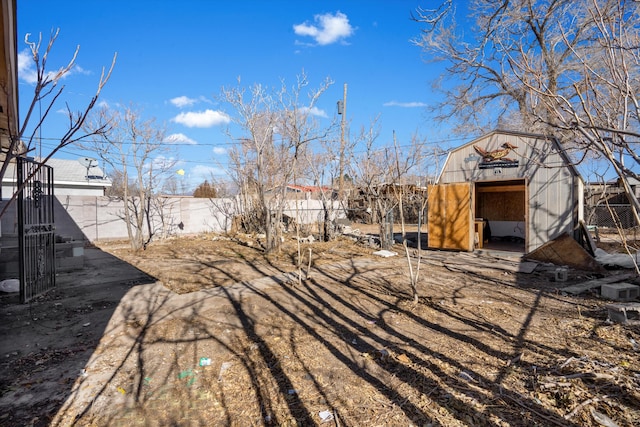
point(93, 218)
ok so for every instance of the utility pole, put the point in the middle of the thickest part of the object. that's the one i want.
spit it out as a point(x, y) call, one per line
point(342, 110)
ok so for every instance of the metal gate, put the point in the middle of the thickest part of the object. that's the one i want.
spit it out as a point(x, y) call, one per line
point(36, 229)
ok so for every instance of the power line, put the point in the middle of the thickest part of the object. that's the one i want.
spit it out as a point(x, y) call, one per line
point(237, 143)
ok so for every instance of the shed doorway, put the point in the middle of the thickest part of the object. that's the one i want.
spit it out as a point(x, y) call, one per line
point(501, 215)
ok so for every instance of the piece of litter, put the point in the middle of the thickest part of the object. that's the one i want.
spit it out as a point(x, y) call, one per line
point(292, 391)
point(223, 368)
point(121, 390)
point(385, 253)
point(86, 324)
point(602, 419)
point(403, 358)
point(190, 375)
point(10, 285)
point(184, 374)
point(466, 376)
point(325, 416)
point(382, 354)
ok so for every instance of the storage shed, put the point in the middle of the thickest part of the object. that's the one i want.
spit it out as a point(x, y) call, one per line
point(505, 190)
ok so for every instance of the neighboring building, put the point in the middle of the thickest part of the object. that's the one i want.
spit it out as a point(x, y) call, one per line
point(514, 189)
point(309, 192)
point(363, 202)
point(607, 205)
point(82, 177)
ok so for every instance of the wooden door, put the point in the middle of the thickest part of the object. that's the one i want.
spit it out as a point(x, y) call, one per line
point(450, 217)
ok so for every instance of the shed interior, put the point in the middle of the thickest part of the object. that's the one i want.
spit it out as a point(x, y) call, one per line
point(500, 209)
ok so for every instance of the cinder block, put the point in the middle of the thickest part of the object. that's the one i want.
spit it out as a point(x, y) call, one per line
point(624, 313)
point(620, 291)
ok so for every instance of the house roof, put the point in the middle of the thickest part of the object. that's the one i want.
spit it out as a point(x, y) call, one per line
point(83, 171)
point(8, 72)
point(308, 188)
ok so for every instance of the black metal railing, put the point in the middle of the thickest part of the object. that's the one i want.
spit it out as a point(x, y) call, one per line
point(36, 229)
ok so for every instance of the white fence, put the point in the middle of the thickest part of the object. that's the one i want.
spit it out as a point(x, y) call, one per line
point(92, 218)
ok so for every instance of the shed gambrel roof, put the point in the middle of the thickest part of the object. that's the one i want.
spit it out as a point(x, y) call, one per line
point(551, 139)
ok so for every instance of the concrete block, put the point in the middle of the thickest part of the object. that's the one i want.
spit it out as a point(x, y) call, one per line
point(620, 291)
point(624, 313)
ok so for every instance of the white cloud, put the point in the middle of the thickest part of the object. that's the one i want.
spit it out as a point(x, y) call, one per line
point(78, 69)
point(183, 101)
point(219, 150)
point(315, 111)
point(27, 70)
point(160, 163)
point(202, 119)
point(404, 104)
point(328, 28)
point(180, 138)
point(163, 163)
point(26, 67)
point(205, 172)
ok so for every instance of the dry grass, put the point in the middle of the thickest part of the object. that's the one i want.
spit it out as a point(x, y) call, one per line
point(493, 348)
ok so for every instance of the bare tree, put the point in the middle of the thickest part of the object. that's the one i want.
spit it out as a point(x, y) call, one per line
point(601, 112)
point(381, 169)
point(382, 174)
point(47, 91)
point(565, 67)
point(133, 147)
point(324, 167)
point(277, 129)
point(205, 190)
point(483, 84)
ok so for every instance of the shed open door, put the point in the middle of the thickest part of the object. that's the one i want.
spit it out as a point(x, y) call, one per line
point(450, 217)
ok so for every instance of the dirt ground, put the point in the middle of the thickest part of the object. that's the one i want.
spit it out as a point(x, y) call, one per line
point(207, 331)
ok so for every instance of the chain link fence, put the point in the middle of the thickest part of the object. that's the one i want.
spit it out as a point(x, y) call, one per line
point(610, 216)
point(609, 222)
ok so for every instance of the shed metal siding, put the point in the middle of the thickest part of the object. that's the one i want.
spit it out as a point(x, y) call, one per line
point(551, 181)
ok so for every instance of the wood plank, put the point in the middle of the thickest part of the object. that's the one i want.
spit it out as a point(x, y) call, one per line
point(477, 263)
point(587, 239)
point(500, 188)
point(564, 250)
point(585, 286)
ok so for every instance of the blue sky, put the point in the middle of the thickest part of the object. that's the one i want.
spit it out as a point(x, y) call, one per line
point(174, 58)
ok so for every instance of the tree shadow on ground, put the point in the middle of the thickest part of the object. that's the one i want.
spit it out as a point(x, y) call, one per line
point(281, 349)
point(47, 343)
point(344, 339)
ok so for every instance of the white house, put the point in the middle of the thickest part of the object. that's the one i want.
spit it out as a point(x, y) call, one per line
point(81, 177)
